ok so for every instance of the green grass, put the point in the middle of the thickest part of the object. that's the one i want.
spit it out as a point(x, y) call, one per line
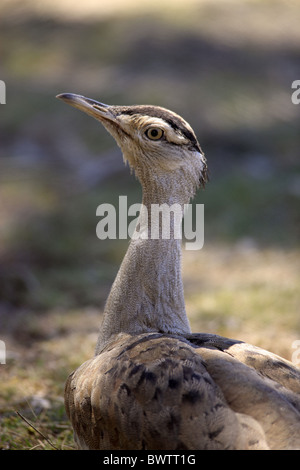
point(47, 431)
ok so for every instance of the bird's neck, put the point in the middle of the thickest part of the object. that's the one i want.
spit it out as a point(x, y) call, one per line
point(147, 294)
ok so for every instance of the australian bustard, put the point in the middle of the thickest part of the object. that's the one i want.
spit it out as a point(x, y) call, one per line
point(153, 384)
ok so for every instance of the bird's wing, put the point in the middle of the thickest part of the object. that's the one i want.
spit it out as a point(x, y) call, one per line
point(258, 384)
point(265, 362)
point(154, 391)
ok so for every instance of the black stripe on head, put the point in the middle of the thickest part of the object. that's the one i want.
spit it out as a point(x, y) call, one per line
point(174, 121)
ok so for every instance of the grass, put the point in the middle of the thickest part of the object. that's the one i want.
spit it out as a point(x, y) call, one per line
point(236, 291)
point(247, 293)
point(43, 353)
point(35, 432)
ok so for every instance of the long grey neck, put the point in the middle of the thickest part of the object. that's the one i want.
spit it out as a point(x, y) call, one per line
point(147, 294)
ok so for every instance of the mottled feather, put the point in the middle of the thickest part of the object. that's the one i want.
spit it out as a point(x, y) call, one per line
point(163, 392)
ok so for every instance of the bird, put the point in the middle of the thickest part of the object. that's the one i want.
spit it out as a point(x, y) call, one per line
point(153, 384)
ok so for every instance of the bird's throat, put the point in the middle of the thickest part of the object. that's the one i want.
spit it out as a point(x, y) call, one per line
point(147, 294)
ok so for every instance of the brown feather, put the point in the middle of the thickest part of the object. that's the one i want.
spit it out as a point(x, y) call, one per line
point(163, 392)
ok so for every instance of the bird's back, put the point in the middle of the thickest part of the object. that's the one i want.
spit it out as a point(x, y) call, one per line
point(160, 392)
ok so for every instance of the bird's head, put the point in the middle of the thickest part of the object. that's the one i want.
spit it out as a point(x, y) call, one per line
point(154, 140)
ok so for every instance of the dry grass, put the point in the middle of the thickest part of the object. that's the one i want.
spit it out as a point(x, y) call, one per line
point(246, 293)
point(240, 292)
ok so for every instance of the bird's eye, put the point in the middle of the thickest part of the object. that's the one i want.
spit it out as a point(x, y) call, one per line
point(154, 133)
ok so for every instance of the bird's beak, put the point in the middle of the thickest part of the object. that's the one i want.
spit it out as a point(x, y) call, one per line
point(99, 111)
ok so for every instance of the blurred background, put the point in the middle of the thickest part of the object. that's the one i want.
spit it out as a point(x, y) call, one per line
point(227, 67)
